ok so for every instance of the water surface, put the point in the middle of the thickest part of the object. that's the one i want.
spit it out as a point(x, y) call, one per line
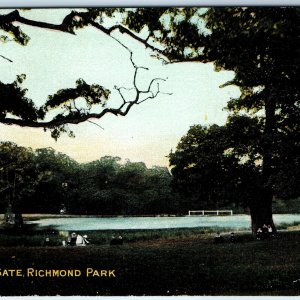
point(235, 222)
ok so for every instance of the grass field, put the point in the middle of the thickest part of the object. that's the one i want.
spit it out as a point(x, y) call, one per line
point(181, 262)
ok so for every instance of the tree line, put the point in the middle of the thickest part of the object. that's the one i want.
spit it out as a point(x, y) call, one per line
point(206, 173)
point(43, 181)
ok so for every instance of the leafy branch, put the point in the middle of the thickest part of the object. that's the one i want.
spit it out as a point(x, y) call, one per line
point(67, 99)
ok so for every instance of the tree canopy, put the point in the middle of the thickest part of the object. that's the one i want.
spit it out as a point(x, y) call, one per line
point(261, 46)
point(44, 181)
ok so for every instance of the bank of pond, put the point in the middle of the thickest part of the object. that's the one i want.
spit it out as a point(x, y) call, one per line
point(34, 236)
point(55, 230)
point(234, 222)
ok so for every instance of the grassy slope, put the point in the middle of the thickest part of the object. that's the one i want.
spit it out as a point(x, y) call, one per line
point(173, 266)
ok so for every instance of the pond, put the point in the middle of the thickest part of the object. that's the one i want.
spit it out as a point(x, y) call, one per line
point(122, 223)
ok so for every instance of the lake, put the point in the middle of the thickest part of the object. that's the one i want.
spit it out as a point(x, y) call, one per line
point(84, 223)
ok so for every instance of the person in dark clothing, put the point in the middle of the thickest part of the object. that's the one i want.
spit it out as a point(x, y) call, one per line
point(265, 231)
point(259, 234)
point(232, 237)
point(73, 238)
point(218, 239)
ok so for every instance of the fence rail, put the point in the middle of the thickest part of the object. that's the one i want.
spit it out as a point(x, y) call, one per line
point(203, 212)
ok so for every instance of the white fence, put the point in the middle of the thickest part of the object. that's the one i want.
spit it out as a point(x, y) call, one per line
point(209, 212)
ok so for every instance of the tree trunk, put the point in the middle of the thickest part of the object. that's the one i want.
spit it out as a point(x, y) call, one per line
point(261, 208)
point(261, 212)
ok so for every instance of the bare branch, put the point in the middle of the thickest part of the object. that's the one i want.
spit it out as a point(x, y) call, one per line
point(120, 93)
point(150, 97)
point(95, 124)
point(123, 30)
point(74, 104)
point(150, 85)
point(127, 89)
point(6, 58)
point(164, 93)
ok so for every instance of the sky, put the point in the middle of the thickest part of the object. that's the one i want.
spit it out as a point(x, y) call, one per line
point(54, 60)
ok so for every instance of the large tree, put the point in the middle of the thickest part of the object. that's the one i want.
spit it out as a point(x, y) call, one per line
point(261, 45)
point(217, 166)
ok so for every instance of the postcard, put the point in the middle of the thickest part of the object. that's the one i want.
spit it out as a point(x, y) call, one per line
point(149, 151)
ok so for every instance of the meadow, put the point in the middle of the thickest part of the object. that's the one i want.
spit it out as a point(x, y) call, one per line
point(155, 262)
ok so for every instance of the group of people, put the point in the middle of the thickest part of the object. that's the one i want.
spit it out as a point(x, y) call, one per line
point(220, 239)
point(116, 240)
point(76, 240)
point(81, 240)
point(264, 232)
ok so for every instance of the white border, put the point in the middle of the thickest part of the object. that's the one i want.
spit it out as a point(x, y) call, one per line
point(143, 3)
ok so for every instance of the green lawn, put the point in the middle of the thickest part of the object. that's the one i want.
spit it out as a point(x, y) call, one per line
point(168, 265)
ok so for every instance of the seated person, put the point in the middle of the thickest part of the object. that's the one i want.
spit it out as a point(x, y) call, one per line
point(259, 233)
point(232, 237)
point(218, 239)
point(72, 239)
point(270, 230)
point(116, 241)
point(85, 239)
point(80, 240)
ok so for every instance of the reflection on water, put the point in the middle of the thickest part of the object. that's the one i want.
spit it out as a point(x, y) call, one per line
point(235, 222)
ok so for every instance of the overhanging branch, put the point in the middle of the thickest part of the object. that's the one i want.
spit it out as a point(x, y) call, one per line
point(6, 58)
point(81, 115)
point(70, 23)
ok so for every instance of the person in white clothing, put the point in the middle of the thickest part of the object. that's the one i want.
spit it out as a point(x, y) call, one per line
point(81, 240)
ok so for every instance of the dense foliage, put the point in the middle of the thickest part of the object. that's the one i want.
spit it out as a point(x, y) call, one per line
point(261, 45)
point(43, 181)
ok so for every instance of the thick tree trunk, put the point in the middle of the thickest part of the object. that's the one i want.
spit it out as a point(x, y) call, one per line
point(261, 208)
point(261, 212)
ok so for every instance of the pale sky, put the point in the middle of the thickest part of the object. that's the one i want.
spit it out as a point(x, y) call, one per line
point(54, 60)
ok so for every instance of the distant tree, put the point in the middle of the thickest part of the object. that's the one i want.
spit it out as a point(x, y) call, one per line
point(108, 187)
point(56, 181)
point(204, 171)
point(95, 181)
point(36, 181)
point(18, 176)
point(44, 180)
point(161, 198)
